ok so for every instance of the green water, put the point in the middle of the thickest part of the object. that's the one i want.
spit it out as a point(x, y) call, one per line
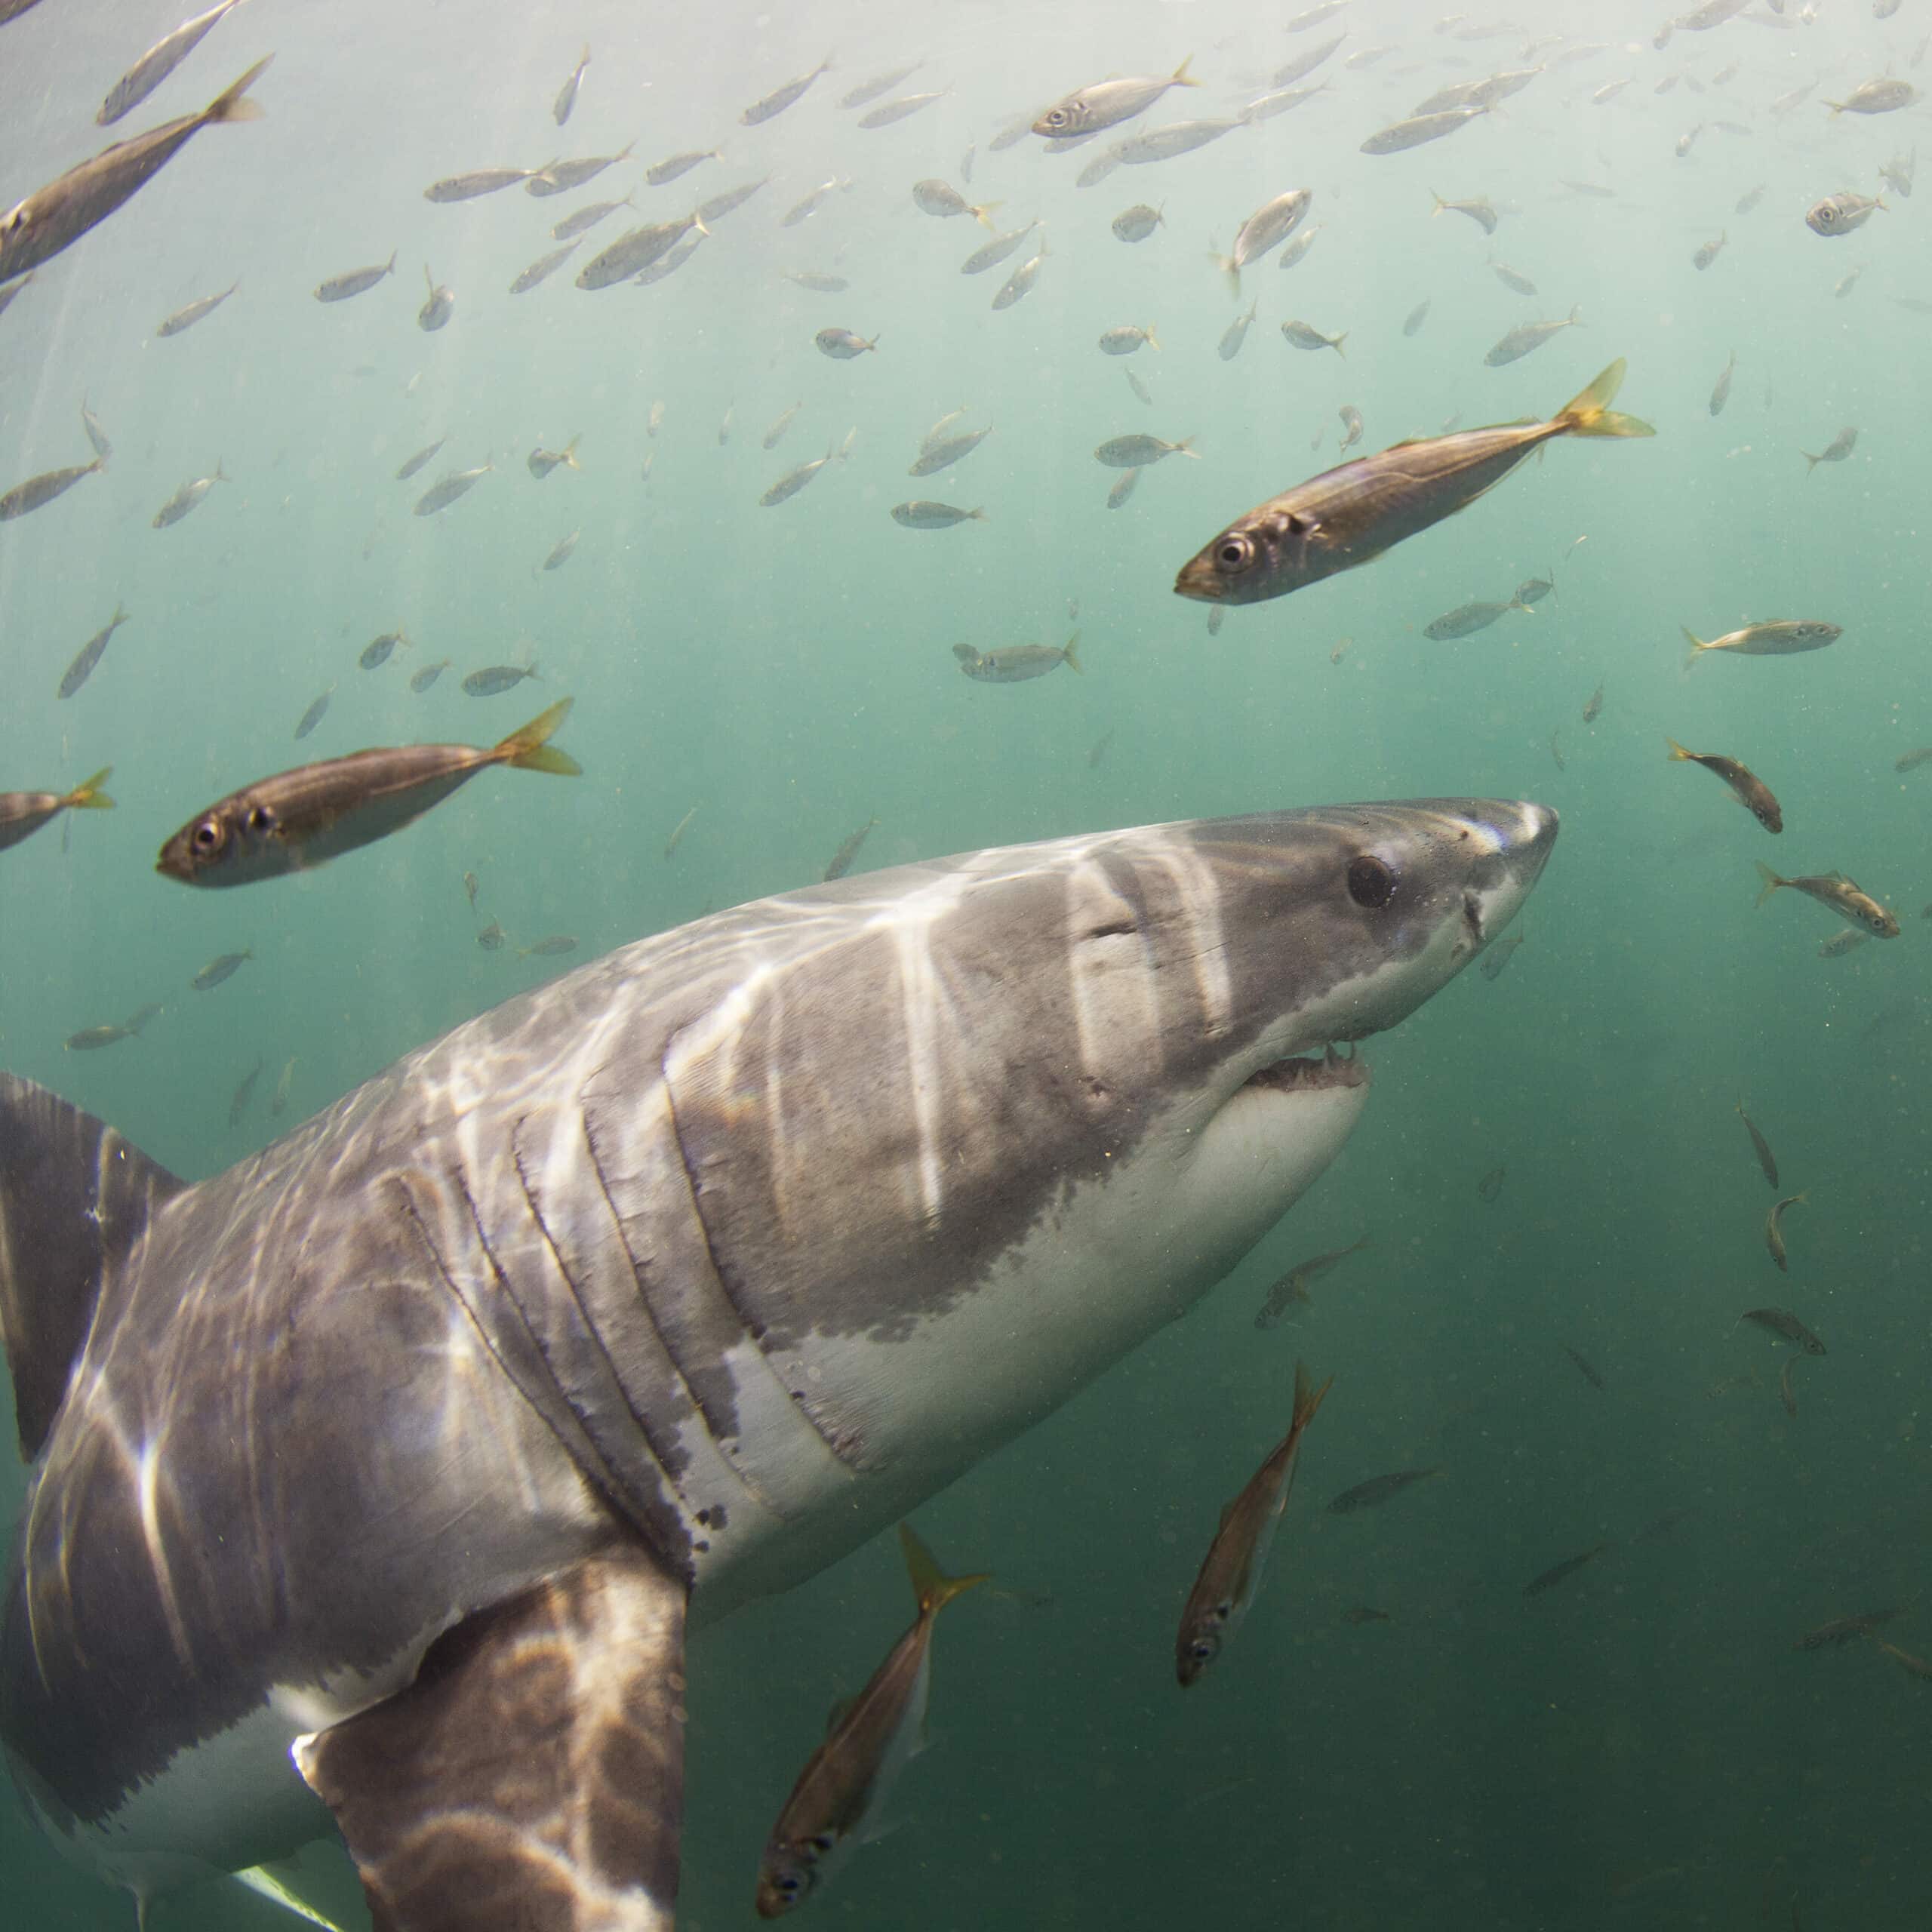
point(1642, 1745)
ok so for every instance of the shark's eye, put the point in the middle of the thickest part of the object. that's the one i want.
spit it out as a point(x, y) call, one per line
point(1371, 885)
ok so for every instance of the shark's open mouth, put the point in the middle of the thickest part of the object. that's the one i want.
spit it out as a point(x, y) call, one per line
point(1306, 1076)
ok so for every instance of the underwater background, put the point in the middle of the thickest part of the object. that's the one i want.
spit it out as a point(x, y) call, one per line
point(1645, 1743)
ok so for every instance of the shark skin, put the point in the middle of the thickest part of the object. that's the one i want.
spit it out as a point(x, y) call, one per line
point(383, 1473)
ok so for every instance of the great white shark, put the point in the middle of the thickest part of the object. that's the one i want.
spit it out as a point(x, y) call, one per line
point(381, 1475)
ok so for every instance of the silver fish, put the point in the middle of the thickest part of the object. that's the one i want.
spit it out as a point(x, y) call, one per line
point(775, 435)
point(560, 111)
point(1139, 388)
point(1467, 619)
point(898, 110)
point(935, 455)
point(82, 668)
point(1421, 128)
point(1352, 423)
point(1306, 335)
point(561, 550)
point(157, 63)
point(1784, 637)
point(1123, 488)
point(1481, 211)
point(731, 200)
point(1840, 213)
point(1268, 227)
point(378, 651)
point(416, 462)
point(1016, 663)
point(1106, 104)
point(838, 1802)
point(1235, 334)
point(1525, 337)
point(1280, 100)
point(1749, 199)
point(1137, 451)
point(867, 91)
point(1020, 282)
point(220, 969)
point(635, 250)
point(841, 860)
point(186, 498)
point(55, 217)
point(479, 181)
point(842, 345)
point(494, 679)
point(818, 284)
point(1417, 317)
point(671, 263)
point(1137, 223)
point(37, 491)
point(438, 309)
point(91, 426)
point(447, 490)
point(580, 220)
point(668, 169)
point(420, 681)
point(1512, 278)
point(1898, 172)
point(543, 267)
point(317, 711)
point(793, 481)
point(990, 254)
point(1884, 96)
point(1303, 65)
point(186, 318)
point(1708, 252)
point(278, 1104)
point(1847, 283)
point(297, 820)
point(921, 515)
point(1836, 450)
point(1098, 166)
point(1128, 338)
point(802, 211)
point(357, 281)
point(934, 197)
point(1178, 137)
point(1231, 1572)
point(780, 98)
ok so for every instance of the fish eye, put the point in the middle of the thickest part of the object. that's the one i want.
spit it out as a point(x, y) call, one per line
point(1204, 1649)
point(208, 836)
point(1059, 117)
point(1371, 885)
point(1234, 552)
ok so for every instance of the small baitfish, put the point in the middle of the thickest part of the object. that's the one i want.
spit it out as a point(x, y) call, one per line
point(1766, 1159)
point(540, 462)
point(186, 319)
point(921, 515)
point(838, 1802)
point(1525, 337)
point(357, 281)
point(22, 814)
point(1836, 450)
point(1841, 895)
point(1781, 1322)
point(217, 969)
point(1840, 213)
point(1782, 637)
point(1467, 619)
point(841, 860)
point(1138, 450)
point(298, 819)
point(1291, 1290)
point(1231, 1572)
point(1497, 958)
point(1106, 104)
point(89, 655)
point(39, 491)
point(1350, 515)
point(1379, 1489)
point(187, 497)
point(494, 679)
point(842, 345)
point(1750, 791)
point(1016, 663)
point(448, 490)
point(1481, 210)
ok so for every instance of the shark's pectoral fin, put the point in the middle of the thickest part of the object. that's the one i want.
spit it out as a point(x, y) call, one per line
point(532, 1779)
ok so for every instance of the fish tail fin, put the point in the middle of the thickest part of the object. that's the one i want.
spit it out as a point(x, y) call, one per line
point(1153, 340)
point(220, 475)
point(87, 796)
point(930, 1584)
point(570, 453)
point(1308, 1397)
point(74, 1196)
point(1181, 78)
point(529, 749)
point(983, 211)
point(1676, 754)
point(1072, 653)
point(390, 269)
point(697, 221)
point(1336, 345)
point(1698, 646)
point(972, 516)
point(232, 103)
point(1185, 448)
point(1588, 413)
point(1440, 204)
point(844, 449)
point(1771, 880)
point(1228, 267)
point(1577, 314)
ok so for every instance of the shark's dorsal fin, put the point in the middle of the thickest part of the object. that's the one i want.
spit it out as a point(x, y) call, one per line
point(73, 1196)
point(532, 1779)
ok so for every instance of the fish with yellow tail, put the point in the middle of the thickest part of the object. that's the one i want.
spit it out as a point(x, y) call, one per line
point(22, 814)
point(1746, 787)
point(316, 813)
point(1842, 895)
point(1351, 514)
point(1784, 637)
point(837, 1802)
point(1232, 1571)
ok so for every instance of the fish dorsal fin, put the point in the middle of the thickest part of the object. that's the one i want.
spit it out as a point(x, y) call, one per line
point(74, 1196)
point(532, 1779)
